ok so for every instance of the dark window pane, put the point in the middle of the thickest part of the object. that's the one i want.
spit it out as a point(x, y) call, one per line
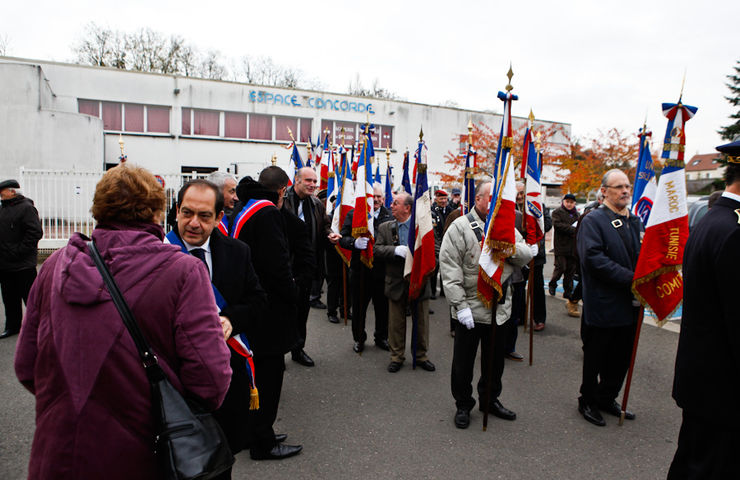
point(88, 107)
point(235, 125)
point(134, 118)
point(349, 132)
point(260, 127)
point(158, 119)
point(205, 122)
point(386, 136)
point(326, 126)
point(305, 130)
point(186, 122)
point(282, 124)
point(111, 116)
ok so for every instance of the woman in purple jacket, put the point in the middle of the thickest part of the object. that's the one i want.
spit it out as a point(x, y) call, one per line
point(93, 405)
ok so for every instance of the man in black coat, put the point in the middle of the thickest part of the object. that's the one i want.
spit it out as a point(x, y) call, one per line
point(563, 220)
point(20, 232)
point(608, 247)
point(258, 223)
point(200, 207)
point(367, 283)
point(707, 380)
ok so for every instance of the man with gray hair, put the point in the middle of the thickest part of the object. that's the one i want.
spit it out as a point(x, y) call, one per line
point(20, 232)
point(227, 183)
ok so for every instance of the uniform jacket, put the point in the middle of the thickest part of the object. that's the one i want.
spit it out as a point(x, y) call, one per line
point(20, 232)
point(396, 286)
point(607, 268)
point(93, 404)
point(458, 264)
point(265, 233)
point(348, 241)
point(565, 232)
point(318, 229)
point(708, 359)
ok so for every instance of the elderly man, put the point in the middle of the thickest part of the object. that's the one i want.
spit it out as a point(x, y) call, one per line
point(564, 220)
point(459, 256)
point(608, 247)
point(20, 232)
point(391, 246)
point(226, 182)
point(367, 283)
point(300, 199)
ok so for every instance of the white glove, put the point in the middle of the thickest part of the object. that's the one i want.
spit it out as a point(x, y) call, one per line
point(402, 251)
point(361, 243)
point(465, 317)
point(534, 249)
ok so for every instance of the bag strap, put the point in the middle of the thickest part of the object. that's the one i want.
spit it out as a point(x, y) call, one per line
point(148, 358)
point(617, 223)
point(475, 225)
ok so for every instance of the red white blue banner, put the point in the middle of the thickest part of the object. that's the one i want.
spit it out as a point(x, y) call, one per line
point(534, 220)
point(362, 218)
point(645, 184)
point(420, 262)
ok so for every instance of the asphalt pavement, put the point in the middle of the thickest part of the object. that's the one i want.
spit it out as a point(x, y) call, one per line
point(356, 420)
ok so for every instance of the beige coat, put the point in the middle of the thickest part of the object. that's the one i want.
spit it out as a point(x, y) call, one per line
point(458, 263)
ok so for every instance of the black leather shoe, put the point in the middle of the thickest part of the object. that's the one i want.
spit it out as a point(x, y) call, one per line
point(590, 413)
point(317, 304)
point(432, 297)
point(280, 437)
point(498, 410)
point(393, 367)
point(8, 333)
point(302, 358)
point(462, 418)
point(333, 319)
point(516, 356)
point(616, 409)
point(278, 452)
point(358, 347)
point(426, 365)
point(552, 289)
point(383, 345)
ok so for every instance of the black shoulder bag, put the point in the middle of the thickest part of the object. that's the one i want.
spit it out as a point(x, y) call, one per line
point(189, 442)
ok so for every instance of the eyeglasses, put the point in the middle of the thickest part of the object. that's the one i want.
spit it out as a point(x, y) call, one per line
point(620, 187)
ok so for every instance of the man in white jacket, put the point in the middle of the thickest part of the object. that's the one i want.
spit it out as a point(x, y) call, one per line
point(458, 259)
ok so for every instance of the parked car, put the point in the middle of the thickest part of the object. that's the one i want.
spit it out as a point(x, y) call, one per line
point(697, 210)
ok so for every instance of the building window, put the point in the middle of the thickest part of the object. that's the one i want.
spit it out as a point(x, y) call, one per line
point(186, 121)
point(305, 129)
point(260, 127)
point(134, 115)
point(282, 124)
point(112, 114)
point(386, 136)
point(235, 125)
point(206, 122)
point(89, 107)
point(157, 119)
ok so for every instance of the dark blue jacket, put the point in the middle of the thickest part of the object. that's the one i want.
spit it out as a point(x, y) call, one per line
point(607, 267)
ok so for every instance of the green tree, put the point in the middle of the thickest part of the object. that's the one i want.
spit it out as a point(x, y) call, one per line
point(731, 131)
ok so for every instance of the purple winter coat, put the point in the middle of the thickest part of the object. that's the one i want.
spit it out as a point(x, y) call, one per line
point(93, 402)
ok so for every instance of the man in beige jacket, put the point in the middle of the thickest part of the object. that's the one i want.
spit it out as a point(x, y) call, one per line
point(458, 259)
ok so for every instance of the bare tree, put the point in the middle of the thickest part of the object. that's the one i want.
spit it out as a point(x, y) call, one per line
point(4, 43)
point(376, 91)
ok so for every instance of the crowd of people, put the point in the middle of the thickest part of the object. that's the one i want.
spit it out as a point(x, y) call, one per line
point(252, 257)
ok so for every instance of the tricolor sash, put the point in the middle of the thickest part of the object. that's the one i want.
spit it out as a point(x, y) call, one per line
point(223, 225)
point(238, 343)
point(250, 208)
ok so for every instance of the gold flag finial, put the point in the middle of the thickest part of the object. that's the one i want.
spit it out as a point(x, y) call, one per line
point(387, 153)
point(531, 117)
point(510, 74)
point(538, 141)
point(274, 159)
point(421, 134)
point(120, 143)
point(290, 132)
point(470, 130)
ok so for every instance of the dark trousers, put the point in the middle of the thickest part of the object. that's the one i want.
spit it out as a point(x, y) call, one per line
point(334, 281)
point(366, 287)
point(302, 310)
point(606, 359)
point(269, 371)
point(706, 450)
point(518, 302)
point(15, 287)
point(463, 363)
point(565, 265)
point(433, 280)
point(538, 295)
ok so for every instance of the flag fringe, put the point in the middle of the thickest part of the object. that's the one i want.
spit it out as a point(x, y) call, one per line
point(358, 231)
point(341, 253)
point(368, 262)
point(647, 278)
point(491, 283)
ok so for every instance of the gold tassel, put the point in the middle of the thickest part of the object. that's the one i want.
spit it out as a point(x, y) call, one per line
point(254, 399)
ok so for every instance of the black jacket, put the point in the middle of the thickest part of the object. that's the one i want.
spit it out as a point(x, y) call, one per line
point(607, 267)
point(348, 241)
point(265, 233)
point(708, 358)
point(318, 228)
point(20, 232)
point(302, 253)
point(565, 232)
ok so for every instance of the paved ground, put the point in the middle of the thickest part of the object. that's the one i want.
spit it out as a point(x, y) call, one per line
point(355, 419)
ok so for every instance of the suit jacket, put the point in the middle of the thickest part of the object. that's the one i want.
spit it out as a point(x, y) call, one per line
point(236, 280)
point(396, 286)
point(348, 241)
point(607, 268)
point(302, 252)
point(708, 359)
point(318, 229)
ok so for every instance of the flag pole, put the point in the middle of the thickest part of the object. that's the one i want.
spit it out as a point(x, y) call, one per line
point(527, 303)
point(341, 188)
point(415, 302)
point(632, 366)
point(530, 283)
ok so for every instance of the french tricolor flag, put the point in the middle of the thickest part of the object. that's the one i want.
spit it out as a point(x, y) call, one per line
point(534, 219)
point(657, 282)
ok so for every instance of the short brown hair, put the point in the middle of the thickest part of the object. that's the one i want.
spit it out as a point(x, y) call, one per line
point(127, 194)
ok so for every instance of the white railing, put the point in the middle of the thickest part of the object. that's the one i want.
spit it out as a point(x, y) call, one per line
point(64, 199)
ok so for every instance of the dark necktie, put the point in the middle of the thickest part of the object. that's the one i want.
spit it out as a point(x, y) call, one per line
point(201, 254)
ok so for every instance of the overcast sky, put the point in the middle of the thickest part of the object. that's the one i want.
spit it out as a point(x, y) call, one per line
point(595, 65)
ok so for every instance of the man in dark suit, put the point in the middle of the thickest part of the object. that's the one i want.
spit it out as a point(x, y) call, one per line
point(391, 246)
point(367, 283)
point(706, 384)
point(258, 223)
point(229, 264)
point(563, 220)
point(608, 247)
point(300, 199)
